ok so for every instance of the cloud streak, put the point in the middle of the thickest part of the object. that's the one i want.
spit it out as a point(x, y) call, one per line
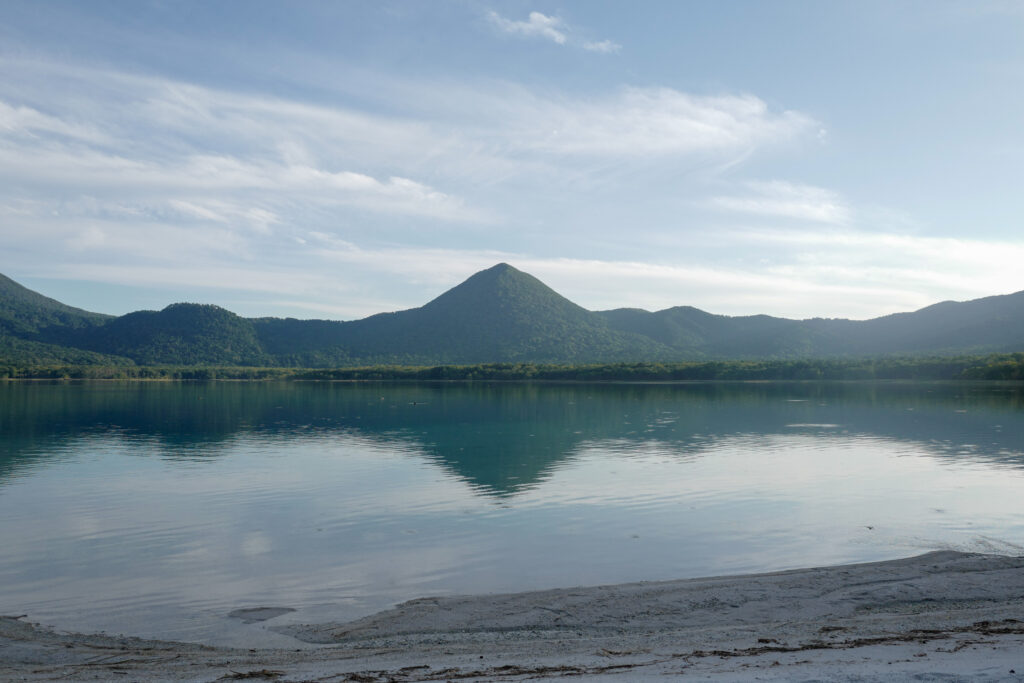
point(550, 28)
point(783, 199)
point(186, 179)
point(604, 46)
point(660, 122)
point(163, 143)
point(537, 25)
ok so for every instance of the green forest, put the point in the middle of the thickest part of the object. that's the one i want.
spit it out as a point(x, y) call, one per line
point(990, 367)
point(502, 323)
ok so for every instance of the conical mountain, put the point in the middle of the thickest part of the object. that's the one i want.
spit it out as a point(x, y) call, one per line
point(499, 314)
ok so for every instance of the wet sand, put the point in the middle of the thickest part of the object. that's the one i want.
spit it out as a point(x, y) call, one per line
point(940, 616)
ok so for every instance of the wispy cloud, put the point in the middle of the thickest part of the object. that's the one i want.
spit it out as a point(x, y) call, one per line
point(787, 200)
point(605, 46)
point(551, 28)
point(166, 139)
point(659, 122)
point(26, 121)
point(208, 186)
point(536, 26)
point(176, 142)
point(207, 173)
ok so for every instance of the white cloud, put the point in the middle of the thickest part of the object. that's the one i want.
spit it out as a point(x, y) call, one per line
point(225, 212)
point(605, 46)
point(182, 153)
point(26, 122)
point(554, 29)
point(174, 142)
point(788, 200)
point(478, 117)
point(660, 122)
point(96, 171)
point(537, 25)
point(198, 185)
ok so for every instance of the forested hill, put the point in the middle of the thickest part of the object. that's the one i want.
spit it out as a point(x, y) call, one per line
point(499, 315)
point(24, 313)
point(992, 324)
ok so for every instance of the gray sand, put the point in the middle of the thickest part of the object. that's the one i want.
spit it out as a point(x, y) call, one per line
point(940, 616)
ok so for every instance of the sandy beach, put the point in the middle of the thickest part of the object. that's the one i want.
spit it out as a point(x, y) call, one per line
point(939, 616)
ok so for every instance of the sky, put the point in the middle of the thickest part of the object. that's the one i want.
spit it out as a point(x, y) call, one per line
point(339, 159)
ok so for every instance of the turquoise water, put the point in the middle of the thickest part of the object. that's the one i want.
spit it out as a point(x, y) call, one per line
point(159, 508)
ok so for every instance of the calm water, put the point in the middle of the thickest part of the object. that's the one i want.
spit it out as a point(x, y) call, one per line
point(157, 509)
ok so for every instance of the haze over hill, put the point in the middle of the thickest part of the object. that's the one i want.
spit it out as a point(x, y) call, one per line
point(500, 314)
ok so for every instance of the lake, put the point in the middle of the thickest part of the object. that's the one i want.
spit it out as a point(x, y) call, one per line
point(157, 509)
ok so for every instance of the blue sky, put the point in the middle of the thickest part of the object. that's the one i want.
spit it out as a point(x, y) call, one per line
point(338, 159)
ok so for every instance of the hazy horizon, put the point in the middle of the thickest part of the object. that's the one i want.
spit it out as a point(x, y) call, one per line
point(438, 294)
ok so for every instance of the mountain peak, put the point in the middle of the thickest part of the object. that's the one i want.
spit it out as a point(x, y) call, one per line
point(190, 308)
point(502, 287)
point(496, 273)
point(500, 314)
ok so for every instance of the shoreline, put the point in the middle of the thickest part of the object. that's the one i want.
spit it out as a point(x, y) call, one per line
point(960, 367)
point(961, 381)
point(942, 613)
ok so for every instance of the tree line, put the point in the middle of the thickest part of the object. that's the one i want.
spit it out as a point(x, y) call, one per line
point(990, 367)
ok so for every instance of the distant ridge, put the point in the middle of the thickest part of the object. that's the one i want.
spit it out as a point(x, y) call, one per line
point(181, 334)
point(497, 315)
point(24, 313)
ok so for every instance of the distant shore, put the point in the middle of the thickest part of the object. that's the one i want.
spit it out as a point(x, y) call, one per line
point(1006, 366)
point(943, 614)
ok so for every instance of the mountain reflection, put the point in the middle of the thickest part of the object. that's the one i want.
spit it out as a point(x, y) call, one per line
point(504, 438)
